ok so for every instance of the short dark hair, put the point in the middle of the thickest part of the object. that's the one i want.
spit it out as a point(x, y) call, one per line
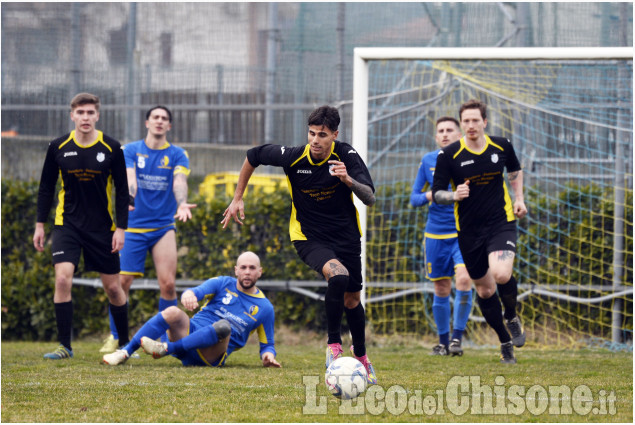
point(326, 116)
point(446, 118)
point(85, 99)
point(165, 108)
point(474, 104)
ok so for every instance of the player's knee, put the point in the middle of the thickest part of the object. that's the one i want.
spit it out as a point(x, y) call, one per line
point(463, 283)
point(171, 313)
point(501, 276)
point(442, 288)
point(351, 300)
point(223, 329)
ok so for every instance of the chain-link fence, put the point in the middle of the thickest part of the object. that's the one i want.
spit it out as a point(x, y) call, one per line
point(246, 73)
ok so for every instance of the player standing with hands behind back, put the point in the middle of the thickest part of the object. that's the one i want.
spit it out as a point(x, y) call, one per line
point(322, 176)
point(486, 217)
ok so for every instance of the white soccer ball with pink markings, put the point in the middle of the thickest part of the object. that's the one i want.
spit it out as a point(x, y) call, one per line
point(346, 378)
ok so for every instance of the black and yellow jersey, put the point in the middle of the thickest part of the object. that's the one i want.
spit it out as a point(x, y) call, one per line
point(88, 174)
point(322, 206)
point(489, 201)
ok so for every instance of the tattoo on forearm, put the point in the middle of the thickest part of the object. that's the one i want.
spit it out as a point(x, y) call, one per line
point(444, 197)
point(363, 192)
point(512, 176)
point(132, 189)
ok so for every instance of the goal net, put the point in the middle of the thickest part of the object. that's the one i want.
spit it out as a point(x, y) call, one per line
point(569, 115)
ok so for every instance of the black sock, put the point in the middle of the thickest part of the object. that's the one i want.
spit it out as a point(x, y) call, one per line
point(334, 304)
point(508, 293)
point(493, 315)
point(64, 319)
point(356, 318)
point(120, 317)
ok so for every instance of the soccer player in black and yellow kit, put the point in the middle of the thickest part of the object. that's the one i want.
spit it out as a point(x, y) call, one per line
point(323, 175)
point(486, 217)
point(89, 163)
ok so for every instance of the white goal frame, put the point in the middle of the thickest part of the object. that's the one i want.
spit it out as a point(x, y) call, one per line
point(362, 55)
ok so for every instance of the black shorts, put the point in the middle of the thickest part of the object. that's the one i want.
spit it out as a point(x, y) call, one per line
point(476, 246)
point(68, 243)
point(317, 254)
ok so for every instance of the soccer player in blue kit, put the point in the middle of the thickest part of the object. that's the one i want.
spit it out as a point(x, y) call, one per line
point(89, 164)
point(441, 249)
point(234, 308)
point(486, 218)
point(323, 175)
point(157, 178)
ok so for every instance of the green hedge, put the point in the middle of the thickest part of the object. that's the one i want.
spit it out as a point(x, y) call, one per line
point(567, 239)
point(205, 250)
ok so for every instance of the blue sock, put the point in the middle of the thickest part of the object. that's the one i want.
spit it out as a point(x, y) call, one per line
point(462, 310)
point(163, 303)
point(153, 328)
point(441, 313)
point(204, 337)
point(113, 328)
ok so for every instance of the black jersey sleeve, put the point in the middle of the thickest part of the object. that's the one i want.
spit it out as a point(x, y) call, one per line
point(512, 164)
point(48, 180)
point(355, 165)
point(442, 177)
point(276, 155)
point(120, 179)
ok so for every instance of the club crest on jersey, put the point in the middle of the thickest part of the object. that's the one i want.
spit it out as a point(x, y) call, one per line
point(494, 158)
point(165, 162)
point(253, 310)
point(101, 156)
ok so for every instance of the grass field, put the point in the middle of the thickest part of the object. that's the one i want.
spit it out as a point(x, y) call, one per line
point(414, 387)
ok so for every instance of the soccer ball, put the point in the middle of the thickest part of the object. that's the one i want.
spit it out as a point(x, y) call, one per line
point(346, 378)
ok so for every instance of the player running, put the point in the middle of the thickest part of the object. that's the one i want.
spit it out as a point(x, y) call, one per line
point(234, 308)
point(441, 249)
point(486, 217)
point(322, 176)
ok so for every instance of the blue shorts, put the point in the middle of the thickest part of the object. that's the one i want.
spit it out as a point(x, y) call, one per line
point(195, 358)
point(442, 257)
point(135, 249)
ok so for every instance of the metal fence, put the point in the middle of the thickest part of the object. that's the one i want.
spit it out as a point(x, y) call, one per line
point(246, 73)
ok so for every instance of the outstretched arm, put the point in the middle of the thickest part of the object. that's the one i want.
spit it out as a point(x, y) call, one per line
point(237, 207)
point(179, 187)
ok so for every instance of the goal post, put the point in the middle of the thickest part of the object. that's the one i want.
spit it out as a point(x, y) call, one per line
point(568, 112)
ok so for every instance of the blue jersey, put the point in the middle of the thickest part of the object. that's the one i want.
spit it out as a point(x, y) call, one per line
point(441, 222)
point(155, 204)
point(247, 313)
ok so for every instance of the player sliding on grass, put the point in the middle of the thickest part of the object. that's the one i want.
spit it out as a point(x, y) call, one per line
point(486, 217)
point(234, 309)
point(441, 247)
point(323, 175)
